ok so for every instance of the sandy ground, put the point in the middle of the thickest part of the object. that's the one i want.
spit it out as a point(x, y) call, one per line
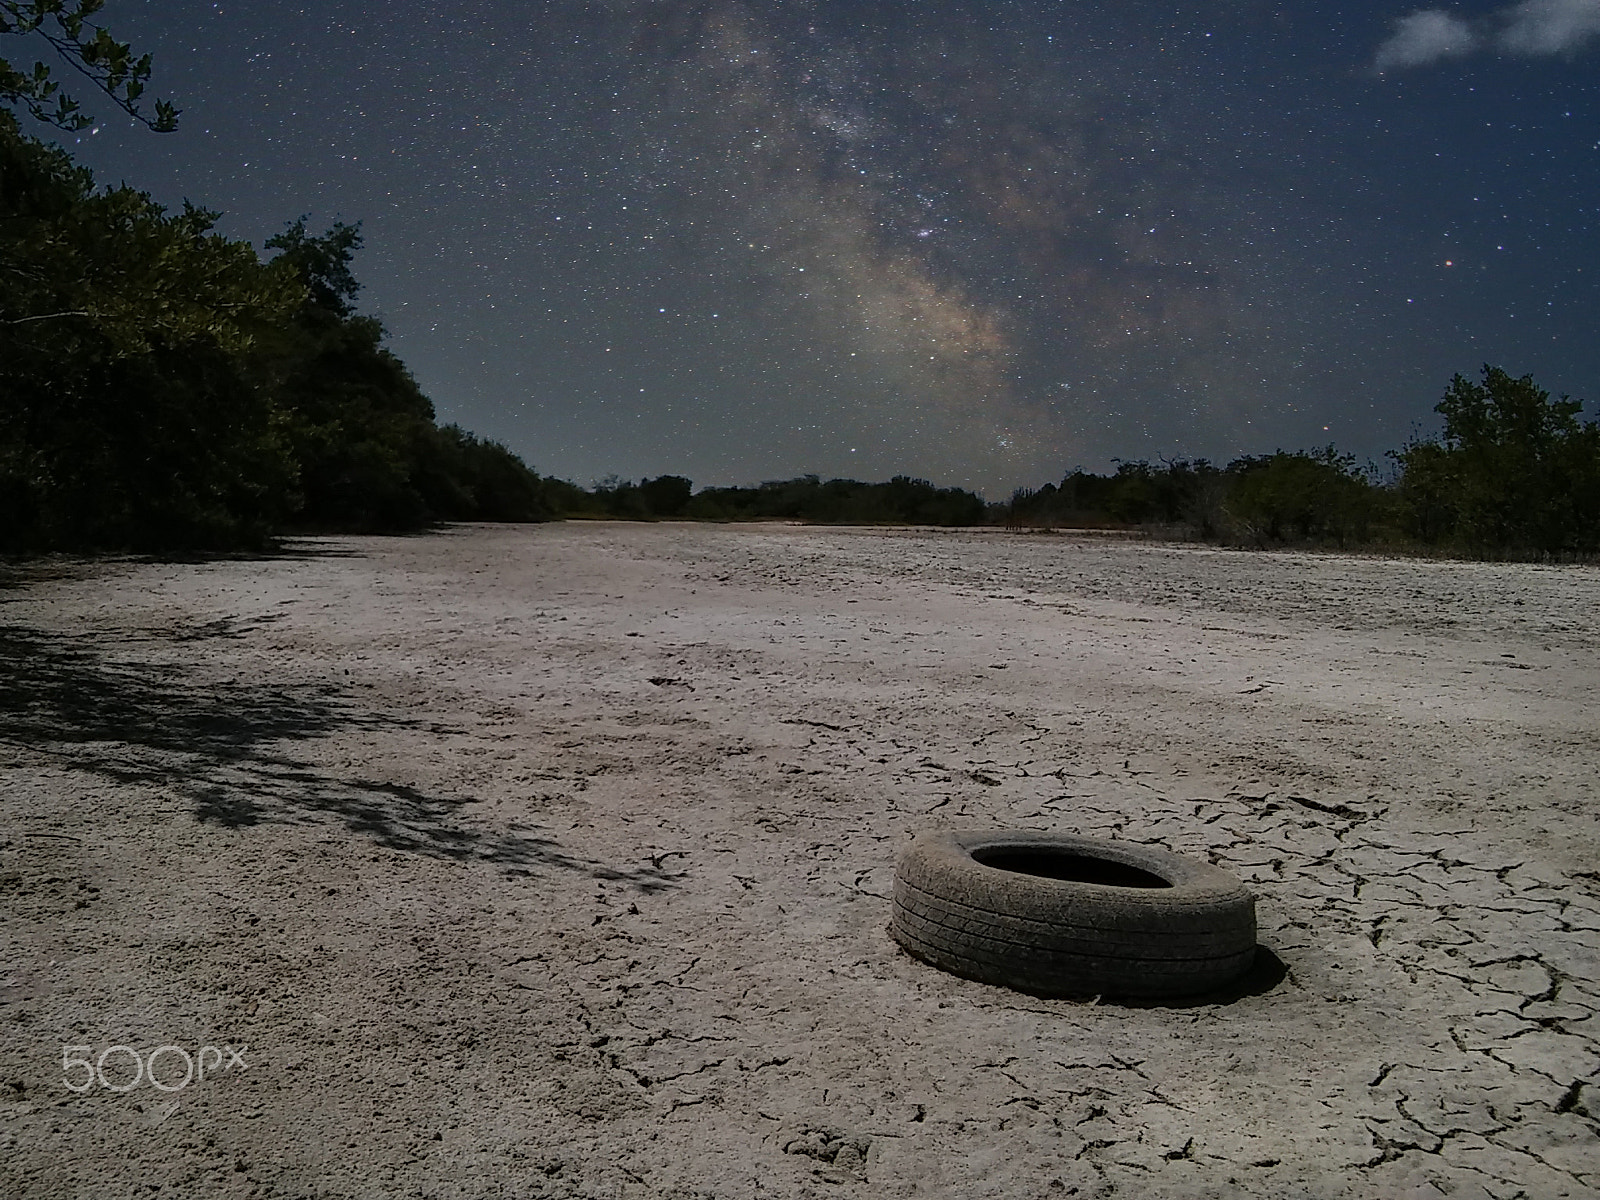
point(553, 862)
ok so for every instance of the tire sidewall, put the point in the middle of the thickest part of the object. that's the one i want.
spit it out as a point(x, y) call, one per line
point(941, 863)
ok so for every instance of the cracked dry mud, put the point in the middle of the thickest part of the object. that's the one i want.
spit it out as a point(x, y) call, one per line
point(553, 862)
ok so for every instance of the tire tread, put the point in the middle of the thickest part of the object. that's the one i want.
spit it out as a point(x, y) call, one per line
point(1057, 938)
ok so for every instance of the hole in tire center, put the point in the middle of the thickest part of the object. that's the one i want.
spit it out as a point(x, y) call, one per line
point(1069, 868)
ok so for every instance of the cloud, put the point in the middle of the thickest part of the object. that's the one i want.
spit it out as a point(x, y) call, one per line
point(1426, 37)
point(1550, 26)
point(1531, 27)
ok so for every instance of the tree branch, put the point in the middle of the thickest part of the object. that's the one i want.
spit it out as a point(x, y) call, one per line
point(46, 317)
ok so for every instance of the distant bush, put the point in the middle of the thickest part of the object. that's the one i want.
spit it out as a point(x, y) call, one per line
point(1514, 473)
point(1309, 497)
point(1175, 493)
point(901, 501)
point(666, 495)
point(464, 478)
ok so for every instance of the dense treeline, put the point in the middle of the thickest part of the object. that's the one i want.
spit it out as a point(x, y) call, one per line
point(901, 501)
point(1315, 496)
point(1515, 472)
point(163, 388)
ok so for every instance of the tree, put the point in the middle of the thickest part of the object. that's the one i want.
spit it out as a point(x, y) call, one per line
point(1309, 496)
point(130, 411)
point(1427, 490)
point(1516, 469)
point(666, 495)
point(465, 478)
point(85, 46)
point(161, 388)
point(360, 428)
point(323, 263)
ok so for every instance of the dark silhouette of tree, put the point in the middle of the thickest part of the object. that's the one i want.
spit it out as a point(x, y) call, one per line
point(322, 263)
point(1177, 492)
point(1427, 491)
point(900, 501)
point(129, 410)
point(1515, 473)
point(355, 418)
point(462, 477)
point(358, 425)
point(1516, 470)
point(161, 388)
point(666, 495)
point(1308, 496)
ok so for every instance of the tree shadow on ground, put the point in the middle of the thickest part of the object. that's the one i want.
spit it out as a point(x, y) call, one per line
point(226, 747)
point(18, 572)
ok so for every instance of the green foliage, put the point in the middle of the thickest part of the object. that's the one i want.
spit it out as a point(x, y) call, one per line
point(162, 388)
point(1316, 496)
point(357, 420)
point(1516, 471)
point(129, 411)
point(666, 495)
point(1428, 491)
point(115, 261)
point(901, 501)
point(464, 478)
point(89, 49)
point(1308, 497)
point(361, 430)
point(322, 263)
point(1175, 493)
point(568, 499)
point(616, 498)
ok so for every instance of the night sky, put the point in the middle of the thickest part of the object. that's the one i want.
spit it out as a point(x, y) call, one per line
point(976, 242)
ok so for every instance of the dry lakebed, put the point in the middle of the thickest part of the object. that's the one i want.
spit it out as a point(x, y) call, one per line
point(555, 861)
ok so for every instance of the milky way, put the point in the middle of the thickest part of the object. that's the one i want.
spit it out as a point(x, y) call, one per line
point(978, 242)
point(1007, 250)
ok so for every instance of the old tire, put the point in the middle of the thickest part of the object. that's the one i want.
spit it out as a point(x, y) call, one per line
point(1058, 915)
